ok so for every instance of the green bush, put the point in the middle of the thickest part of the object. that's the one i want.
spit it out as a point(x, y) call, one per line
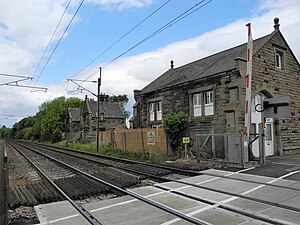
point(175, 125)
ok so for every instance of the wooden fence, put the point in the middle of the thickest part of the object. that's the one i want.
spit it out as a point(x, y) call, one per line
point(136, 140)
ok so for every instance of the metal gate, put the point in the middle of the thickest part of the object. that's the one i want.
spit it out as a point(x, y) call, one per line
point(226, 146)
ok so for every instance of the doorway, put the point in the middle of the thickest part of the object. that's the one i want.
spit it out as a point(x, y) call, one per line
point(256, 118)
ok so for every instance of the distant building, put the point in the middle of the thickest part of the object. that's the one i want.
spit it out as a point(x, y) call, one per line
point(211, 91)
point(111, 112)
point(73, 123)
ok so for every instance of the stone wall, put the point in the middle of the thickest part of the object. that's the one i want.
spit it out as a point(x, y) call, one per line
point(229, 114)
point(279, 82)
point(179, 98)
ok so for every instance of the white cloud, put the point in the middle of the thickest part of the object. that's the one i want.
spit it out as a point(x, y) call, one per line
point(18, 53)
point(27, 26)
point(122, 4)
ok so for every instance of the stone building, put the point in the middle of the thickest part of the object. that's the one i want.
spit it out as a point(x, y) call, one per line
point(111, 116)
point(211, 91)
point(73, 123)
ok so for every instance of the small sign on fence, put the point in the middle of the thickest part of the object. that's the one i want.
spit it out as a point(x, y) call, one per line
point(186, 140)
point(151, 137)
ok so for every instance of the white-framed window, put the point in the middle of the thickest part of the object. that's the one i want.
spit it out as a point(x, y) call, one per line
point(158, 111)
point(208, 103)
point(155, 111)
point(197, 104)
point(151, 111)
point(203, 103)
point(279, 59)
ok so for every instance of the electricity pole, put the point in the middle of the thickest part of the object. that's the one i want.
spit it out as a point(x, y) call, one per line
point(98, 110)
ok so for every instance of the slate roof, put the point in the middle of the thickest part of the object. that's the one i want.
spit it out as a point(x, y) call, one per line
point(112, 109)
point(205, 67)
point(74, 114)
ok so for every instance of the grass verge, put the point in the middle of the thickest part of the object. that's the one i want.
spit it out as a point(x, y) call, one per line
point(110, 151)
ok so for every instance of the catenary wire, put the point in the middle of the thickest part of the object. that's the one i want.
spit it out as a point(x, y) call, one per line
point(59, 22)
point(60, 39)
point(43, 55)
point(172, 22)
point(119, 39)
point(122, 37)
point(20, 106)
point(188, 12)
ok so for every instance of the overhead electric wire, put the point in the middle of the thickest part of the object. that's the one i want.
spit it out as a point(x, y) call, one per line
point(122, 37)
point(60, 39)
point(20, 106)
point(191, 10)
point(44, 53)
point(62, 16)
point(171, 23)
point(183, 15)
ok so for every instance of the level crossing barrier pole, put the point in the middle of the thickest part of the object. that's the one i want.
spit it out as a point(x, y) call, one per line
point(248, 97)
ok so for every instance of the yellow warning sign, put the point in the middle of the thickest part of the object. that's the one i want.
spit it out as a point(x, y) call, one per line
point(262, 125)
point(186, 140)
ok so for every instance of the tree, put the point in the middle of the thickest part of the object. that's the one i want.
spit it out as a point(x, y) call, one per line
point(122, 99)
point(53, 115)
point(175, 125)
point(48, 123)
point(5, 132)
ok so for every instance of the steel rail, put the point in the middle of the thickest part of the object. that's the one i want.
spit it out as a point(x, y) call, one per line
point(128, 192)
point(178, 170)
point(90, 218)
point(229, 208)
point(155, 177)
point(207, 201)
point(195, 185)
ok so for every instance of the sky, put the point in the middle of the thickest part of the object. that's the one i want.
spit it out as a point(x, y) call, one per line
point(123, 37)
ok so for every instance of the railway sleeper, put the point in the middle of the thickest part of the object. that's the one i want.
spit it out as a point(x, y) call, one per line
point(92, 188)
point(20, 196)
point(98, 187)
point(42, 192)
point(51, 191)
point(81, 190)
point(68, 187)
point(44, 189)
point(31, 201)
point(14, 200)
point(33, 192)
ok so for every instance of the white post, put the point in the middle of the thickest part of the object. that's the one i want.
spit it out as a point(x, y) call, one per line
point(248, 98)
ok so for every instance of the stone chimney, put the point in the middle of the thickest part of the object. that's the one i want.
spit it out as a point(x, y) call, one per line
point(276, 23)
point(104, 98)
point(172, 64)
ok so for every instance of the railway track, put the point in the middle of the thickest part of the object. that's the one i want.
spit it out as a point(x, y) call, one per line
point(126, 166)
point(51, 172)
point(71, 171)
